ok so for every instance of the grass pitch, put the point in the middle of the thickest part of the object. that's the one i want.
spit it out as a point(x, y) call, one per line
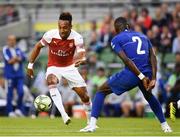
point(108, 127)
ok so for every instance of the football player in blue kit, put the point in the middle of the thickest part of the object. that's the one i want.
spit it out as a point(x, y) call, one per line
point(135, 50)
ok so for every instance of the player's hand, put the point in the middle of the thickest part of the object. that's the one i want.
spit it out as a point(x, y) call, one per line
point(152, 84)
point(145, 82)
point(79, 62)
point(30, 73)
point(18, 59)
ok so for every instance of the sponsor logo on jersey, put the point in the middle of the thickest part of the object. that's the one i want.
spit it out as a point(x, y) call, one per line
point(60, 53)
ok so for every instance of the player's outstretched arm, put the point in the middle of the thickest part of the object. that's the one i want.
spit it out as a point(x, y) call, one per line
point(35, 52)
point(130, 64)
point(153, 62)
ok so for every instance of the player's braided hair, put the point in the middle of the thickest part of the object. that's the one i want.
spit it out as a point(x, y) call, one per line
point(121, 23)
point(66, 16)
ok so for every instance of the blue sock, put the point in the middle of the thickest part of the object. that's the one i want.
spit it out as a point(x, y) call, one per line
point(97, 104)
point(156, 107)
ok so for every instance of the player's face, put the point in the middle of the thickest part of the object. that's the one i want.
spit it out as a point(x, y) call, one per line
point(64, 28)
point(11, 40)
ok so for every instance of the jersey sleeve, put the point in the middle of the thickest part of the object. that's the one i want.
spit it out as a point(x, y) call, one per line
point(116, 46)
point(5, 54)
point(79, 43)
point(46, 39)
point(149, 44)
point(21, 54)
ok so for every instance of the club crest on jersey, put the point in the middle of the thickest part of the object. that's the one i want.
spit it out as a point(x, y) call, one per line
point(55, 42)
point(71, 45)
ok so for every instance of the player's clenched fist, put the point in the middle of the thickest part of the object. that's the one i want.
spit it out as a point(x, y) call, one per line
point(152, 84)
point(30, 71)
point(145, 82)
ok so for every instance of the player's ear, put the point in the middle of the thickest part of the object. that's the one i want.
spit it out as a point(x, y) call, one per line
point(127, 26)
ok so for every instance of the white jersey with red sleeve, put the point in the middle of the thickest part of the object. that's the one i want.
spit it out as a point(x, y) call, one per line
point(61, 52)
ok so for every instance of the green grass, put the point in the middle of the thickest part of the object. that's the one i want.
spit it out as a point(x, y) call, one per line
point(108, 127)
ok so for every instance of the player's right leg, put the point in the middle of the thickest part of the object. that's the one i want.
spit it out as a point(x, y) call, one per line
point(52, 81)
point(97, 107)
point(118, 84)
point(10, 86)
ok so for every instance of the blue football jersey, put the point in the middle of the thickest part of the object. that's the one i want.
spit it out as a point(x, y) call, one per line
point(136, 47)
point(13, 70)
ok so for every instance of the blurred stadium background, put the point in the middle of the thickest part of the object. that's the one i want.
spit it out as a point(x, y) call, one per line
point(28, 20)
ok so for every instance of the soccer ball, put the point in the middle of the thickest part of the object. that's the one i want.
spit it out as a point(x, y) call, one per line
point(42, 103)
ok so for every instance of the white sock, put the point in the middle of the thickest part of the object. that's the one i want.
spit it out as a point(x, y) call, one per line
point(87, 108)
point(164, 124)
point(93, 122)
point(178, 104)
point(56, 97)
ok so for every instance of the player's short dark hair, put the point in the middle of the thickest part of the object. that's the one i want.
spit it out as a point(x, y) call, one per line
point(121, 23)
point(66, 16)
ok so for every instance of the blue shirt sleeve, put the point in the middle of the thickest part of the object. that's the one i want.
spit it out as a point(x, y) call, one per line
point(5, 54)
point(115, 44)
point(21, 54)
point(149, 44)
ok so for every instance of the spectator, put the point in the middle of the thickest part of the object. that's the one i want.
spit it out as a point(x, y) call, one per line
point(133, 16)
point(107, 36)
point(3, 96)
point(40, 85)
point(92, 63)
point(156, 36)
point(108, 20)
point(93, 29)
point(147, 20)
point(173, 87)
point(99, 78)
point(176, 42)
point(2, 15)
point(13, 72)
point(138, 28)
point(125, 13)
point(11, 14)
point(84, 73)
point(159, 20)
point(173, 77)
point(95, 45)
point(165, 39)
point(117, 105)
point(177, 57)
point(166, 14)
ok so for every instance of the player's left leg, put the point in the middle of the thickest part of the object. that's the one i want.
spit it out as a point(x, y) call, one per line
point(83, 94)
point(156, 108)
point(77, 83)
point(20, 92)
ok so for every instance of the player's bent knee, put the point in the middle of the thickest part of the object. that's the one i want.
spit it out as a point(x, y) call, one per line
point(52, 80)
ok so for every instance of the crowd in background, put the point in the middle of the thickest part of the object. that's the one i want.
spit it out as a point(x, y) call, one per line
point(8, 14)
point(163, 30)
